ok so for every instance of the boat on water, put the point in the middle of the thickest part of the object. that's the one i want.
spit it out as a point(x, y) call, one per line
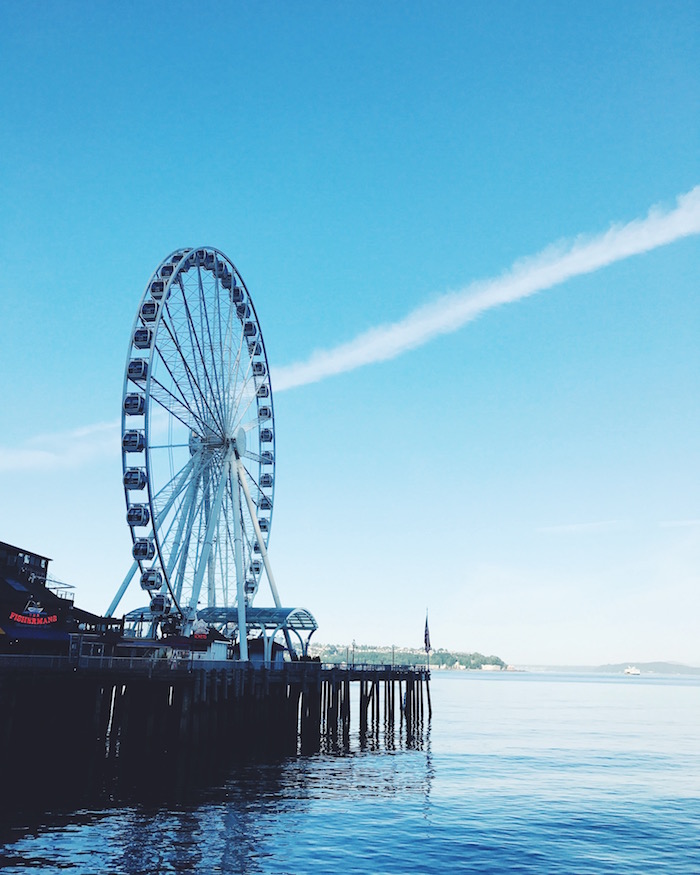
point(632, 670)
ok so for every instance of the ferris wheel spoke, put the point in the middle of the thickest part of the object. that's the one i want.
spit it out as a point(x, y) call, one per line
point(250, 477)
point(234, 368)
point(248, 548)
point(184, 520)
point(213, 515)
point(172, 488)
point(187, 422)
point(170, 510)
point(194, 338)
point(188, 354)
point(248, 379)
point(249, 426)
point(190, 359)
point(177, 348)
point(243, 412)
point(233, 364)
point(194, 560)
point(181, 396)
point(176, 352)
point(165, 536)
point(183, 472)
point(225, 549)
point(205, 311)
point(173, 405)
point(185, 551)
point(217, 298)
point(259, 459)
point(215, 561)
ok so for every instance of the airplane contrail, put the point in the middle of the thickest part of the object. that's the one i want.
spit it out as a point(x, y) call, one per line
point(451, 311)
point(444, 315)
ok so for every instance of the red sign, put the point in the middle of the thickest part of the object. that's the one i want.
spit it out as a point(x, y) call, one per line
point(34, 619)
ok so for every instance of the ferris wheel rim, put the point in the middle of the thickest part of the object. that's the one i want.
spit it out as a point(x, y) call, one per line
point(178, 258)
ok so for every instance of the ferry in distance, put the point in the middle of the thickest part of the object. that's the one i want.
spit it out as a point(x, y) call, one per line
point(632, 669)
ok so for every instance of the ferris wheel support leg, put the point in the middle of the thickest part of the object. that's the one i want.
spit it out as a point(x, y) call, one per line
point(211, 588)
point(209, 534)
point(122, 589)
point(184, 516)
point(179, 552)
point(240, 575)
point(263, 549)
point(181, 567)
point(258, 533)
point(211, 581)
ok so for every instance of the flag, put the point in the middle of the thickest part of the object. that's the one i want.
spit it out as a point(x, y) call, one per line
point(427, 635)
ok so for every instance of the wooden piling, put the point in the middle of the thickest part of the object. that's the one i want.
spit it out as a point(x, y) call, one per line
point(139, 715)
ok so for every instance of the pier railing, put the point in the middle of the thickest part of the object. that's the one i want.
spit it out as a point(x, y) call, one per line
point(379, 667)
point(159, 665)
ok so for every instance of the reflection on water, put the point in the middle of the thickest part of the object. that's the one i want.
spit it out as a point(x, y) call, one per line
point(528, 774)
point(242, 825)
point(186, 819)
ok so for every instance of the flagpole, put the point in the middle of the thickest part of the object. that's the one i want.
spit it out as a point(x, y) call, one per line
point(427, 652)
point(427, 641)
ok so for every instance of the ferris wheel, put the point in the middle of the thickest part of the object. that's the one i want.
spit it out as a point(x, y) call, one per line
point(198, 441)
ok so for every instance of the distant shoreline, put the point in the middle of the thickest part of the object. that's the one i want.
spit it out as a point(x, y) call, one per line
point(443, 660)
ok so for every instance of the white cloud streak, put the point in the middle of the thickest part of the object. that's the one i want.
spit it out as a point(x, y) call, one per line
point(73, 448)
point(585, 528)
point(679, 524)
point(68, 449)
point(452, 311)
point(446, 314)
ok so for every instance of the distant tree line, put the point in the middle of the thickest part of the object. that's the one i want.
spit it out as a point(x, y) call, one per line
point(371, 655)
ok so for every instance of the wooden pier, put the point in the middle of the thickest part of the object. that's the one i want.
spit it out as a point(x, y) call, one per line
point(64, 716)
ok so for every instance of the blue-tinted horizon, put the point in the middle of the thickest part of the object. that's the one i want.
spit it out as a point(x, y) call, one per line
point(532, 476)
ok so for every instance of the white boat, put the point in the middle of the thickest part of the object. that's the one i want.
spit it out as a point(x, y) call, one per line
point(632, 669)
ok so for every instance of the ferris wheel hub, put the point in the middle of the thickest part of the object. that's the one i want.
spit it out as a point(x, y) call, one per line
point(208, 444)
point(195, 443)
point(240, 442)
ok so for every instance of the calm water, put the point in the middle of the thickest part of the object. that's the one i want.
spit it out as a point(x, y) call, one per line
point(517, 773)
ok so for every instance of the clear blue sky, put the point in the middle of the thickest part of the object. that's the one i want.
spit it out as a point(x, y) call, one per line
point(533, 477)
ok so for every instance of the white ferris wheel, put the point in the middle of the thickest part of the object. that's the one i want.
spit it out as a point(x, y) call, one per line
point(198, 445)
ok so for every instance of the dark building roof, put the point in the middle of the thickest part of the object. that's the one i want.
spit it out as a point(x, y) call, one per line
point(7, 550)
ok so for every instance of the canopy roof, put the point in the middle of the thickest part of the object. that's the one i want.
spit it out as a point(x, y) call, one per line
point(298, 619)
point(267, 618)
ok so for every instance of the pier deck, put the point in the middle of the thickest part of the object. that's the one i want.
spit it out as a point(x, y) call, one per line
point(143, 714)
